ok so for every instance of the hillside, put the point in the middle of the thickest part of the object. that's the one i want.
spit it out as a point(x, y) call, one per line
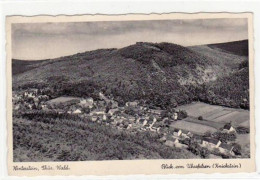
point(19, 66)
point(232, 90)
point(237, 47)
point(72, 139)
point(161, 74)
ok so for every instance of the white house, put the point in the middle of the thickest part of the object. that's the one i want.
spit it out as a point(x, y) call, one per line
point(132, 104)
point(97, 112)
point(129, 126)
point(177, 132)
point(77, 111)
point(229, 129)
point(104, 117)
point(186, 134)
point(87, 102)
point(175, 116)
point(210, 142)
point(171, 141)
point(155, 128)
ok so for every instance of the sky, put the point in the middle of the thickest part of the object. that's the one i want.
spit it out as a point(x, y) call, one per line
point(36, 41)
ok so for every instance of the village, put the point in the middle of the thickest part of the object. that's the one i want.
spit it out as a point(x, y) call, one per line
point(132, 117)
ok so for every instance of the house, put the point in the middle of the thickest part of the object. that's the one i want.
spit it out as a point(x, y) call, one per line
point(97, 112)
point(171, 141)
point(210, 142)
point(44, 107)
point(104, 117)
point(131, 104)
point(156, 111)
point(226, 148)
point(77, 111)
point(143, 122)
point(111, 112)
point(177, 132)
point(129, 126)
point(156, 128)
point(29, 106)
point(153, 122)
point(87, 102)
point(175, 116)
point(90, 100)
point(229, 129)
point(186, 134)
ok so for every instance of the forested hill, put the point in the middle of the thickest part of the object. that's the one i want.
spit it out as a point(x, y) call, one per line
point(159, 74)
point(237, 47)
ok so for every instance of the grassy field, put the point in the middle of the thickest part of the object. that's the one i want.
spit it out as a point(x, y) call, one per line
point(193, 127)
point(63, 99)
point(215, 125)
point(197, 109)
point(217, 114)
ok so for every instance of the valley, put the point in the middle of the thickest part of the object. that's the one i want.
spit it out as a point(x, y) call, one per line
point(146, 101)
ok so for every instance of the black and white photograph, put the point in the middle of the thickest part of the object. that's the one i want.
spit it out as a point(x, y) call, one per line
point(130, 94)
point(130, 90)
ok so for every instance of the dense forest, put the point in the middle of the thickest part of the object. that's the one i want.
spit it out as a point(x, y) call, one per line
point(162, 75)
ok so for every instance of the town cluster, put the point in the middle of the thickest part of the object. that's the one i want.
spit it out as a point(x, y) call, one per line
point(132, 117)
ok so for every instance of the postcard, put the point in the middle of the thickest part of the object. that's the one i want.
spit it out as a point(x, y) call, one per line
point(130, 94)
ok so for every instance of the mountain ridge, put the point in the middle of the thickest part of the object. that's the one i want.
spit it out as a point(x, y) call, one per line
point(158, 73)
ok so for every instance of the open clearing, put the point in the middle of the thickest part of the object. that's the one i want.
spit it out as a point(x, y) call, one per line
point(63, 99)
point(192, 127)
point(218, 114)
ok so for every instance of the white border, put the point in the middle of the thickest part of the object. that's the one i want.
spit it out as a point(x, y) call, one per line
point(70, 7)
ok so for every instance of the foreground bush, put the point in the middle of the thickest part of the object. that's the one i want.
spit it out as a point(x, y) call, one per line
point(53, 137)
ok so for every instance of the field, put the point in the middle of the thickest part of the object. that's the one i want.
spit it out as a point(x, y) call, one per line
point(63, 100)
point(217, 114)
point(193, 127)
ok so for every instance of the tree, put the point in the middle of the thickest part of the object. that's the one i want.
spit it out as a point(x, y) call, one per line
point(182, 114)
point(204, 152)
point(200, 118)
point(224, 137)
point(237, 148)
point(207, 134)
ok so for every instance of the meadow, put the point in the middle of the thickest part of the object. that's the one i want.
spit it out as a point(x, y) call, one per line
point(195, 128)
point(217, 114)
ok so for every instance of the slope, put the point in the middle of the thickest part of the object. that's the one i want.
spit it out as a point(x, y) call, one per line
point(159, 74)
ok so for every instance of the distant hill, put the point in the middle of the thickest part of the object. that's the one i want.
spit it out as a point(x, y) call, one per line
point(19, 66)
point(161, 74)
point(237, 47)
